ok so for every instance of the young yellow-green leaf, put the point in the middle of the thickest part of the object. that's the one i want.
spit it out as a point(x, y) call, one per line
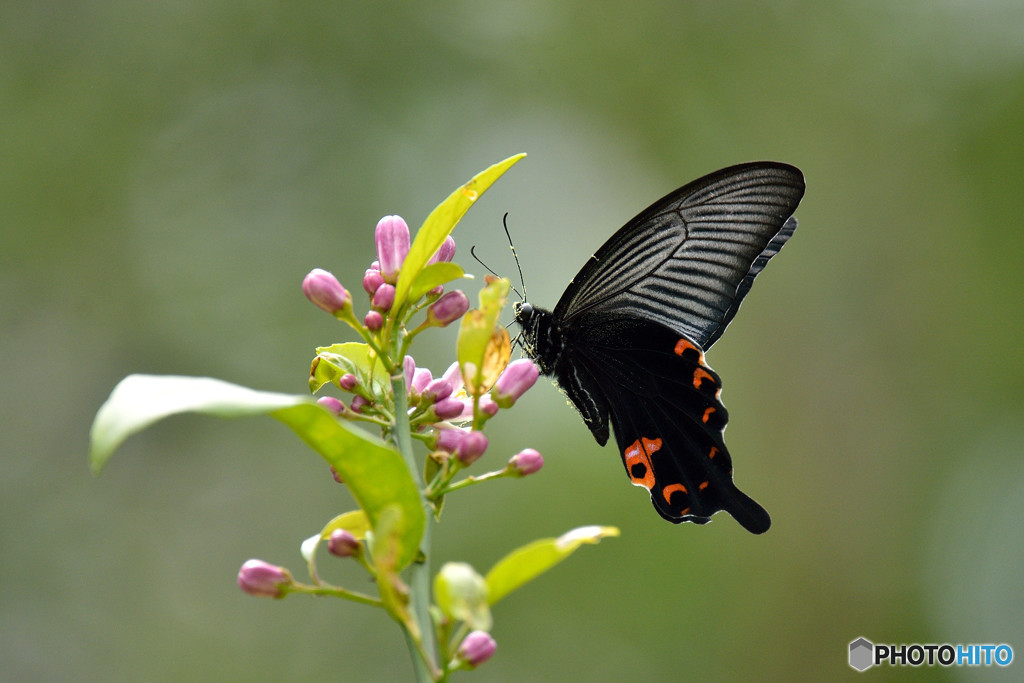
point(440, 223)
point(354, 358)
point(475, 334)
point(355, 522)
point(374, 472)
point(386, 550)
point(461, 593)
point(530, 561)
point(433, 275)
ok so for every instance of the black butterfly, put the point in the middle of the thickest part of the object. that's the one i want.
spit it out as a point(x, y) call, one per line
point(627, 339)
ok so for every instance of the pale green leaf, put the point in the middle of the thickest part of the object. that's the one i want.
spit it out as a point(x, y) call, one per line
point(530, 561)
point(374, 472)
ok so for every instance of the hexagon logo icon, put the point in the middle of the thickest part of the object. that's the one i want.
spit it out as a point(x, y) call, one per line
point(862, 654)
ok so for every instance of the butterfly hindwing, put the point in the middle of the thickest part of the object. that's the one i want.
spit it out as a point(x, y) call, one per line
point(666, 411)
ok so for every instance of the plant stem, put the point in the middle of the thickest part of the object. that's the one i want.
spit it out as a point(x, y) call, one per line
point(419, 579)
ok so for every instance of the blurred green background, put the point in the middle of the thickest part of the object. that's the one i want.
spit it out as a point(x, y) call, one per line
point(170, 171)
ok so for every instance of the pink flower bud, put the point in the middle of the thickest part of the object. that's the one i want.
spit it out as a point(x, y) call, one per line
point(436, 291)
point(519, 376)
point(262, 579)
point(372, 280)
point(526, 461)
point(373, 321)
point(476, 648)
point(348, 381)
point(358, 403)
point(471, 448)
point(446, 252)
point(449, 439)
point(324, 290)
point(438, 389)
point(487, 406)
point(448, 308)
point(392, 238)
point(332, 404)
point(343, 544)
point(337, 477)
point(384, 297)
point(448, 408)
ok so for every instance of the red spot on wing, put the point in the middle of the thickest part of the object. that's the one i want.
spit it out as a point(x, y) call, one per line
point(670, 489)
point(699, 375)
point(684, 345)
point(638, 461)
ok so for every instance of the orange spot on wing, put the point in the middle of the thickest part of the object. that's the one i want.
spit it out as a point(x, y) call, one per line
point(637, 456)
point(712, 453)
point(703, 485)
point(684, 345)
point(699, 375)
point(707, 414)
point(670, 489)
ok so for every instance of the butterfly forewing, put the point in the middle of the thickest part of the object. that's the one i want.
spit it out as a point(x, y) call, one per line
point(681, 260)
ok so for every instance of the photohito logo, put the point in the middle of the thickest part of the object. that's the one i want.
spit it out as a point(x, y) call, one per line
point(864, 654)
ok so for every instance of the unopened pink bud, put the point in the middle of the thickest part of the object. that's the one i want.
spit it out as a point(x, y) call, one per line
point(392, 238)
point(448, 408)
point(343, 544)
point(332, 404)
point(519, 376)
point(472, 447)
point(448, 308)
point(438, 389)
point(348, 381)
point(487, 406)
point(384, 297)
point(358, 403)
point(324, 290)
point(450, 438)
point(476, 648)
point(373, 321)
point(372, 280)
point(526, 461)
point(337, 477)
point(446, 252)
point(262, 579)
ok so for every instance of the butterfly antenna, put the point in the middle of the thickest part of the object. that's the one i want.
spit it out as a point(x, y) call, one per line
point(472, 250)
point(522, 281)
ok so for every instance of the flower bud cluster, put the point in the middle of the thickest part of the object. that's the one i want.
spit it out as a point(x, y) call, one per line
point(393, 242)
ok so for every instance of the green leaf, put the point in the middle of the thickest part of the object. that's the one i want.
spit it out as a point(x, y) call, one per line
point(385, 548)
point(461, 594)
point(374, 472)
point(476, 338)
point(433, 275)
point(355, 358)
point(530, 561)
point(440, 223)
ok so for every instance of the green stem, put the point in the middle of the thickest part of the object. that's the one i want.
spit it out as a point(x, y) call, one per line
point(419, 580)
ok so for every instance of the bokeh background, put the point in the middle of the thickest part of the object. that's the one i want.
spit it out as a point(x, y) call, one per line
point(170, 171)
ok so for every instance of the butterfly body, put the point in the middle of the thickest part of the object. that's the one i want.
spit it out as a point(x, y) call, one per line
point(626, 341)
